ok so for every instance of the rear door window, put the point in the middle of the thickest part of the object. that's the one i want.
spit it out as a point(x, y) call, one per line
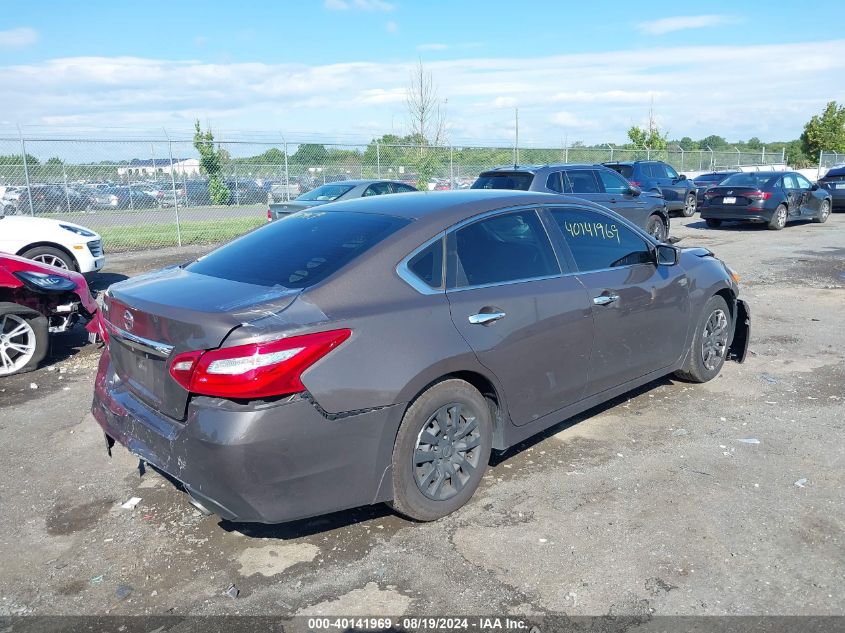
point(428, 264)
point(518, 180)
point(298, 250)
point(503, 248)
point(553, 182)
point(377, 189)
point(580, 181)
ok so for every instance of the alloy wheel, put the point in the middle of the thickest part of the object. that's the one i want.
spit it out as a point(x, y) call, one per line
point(825, 211)
point(714, 341)
point(50, 260)
point(658, 231)
point(447, 452)
point(17, 343)
point(780, 219)
point(690, 206)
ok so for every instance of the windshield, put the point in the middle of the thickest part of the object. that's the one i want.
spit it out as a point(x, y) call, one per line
point(520, 181)
point(747, 180)
point(298, 250)
point(711, 177)
point(326, 192)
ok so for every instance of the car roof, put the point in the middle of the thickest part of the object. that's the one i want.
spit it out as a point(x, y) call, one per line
point(445, 208)
point(836, 171)
point(535, 168)
point(364, 181)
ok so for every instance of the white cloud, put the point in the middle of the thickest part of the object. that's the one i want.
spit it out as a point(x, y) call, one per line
point(434, 46)
point(19, 37)
point(684, 22)
point(361, 5)
point(595, 96)
point(391, 27)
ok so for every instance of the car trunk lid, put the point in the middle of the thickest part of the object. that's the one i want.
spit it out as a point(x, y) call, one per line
point(153, 317)
point(732, 196)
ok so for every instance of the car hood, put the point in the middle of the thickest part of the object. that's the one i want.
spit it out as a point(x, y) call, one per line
point(21, 226)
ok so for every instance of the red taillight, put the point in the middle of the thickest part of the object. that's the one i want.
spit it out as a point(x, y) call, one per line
point(258, 370)
point(636, 183)
point(758, 195)
point(710, 194)
point(269, 215)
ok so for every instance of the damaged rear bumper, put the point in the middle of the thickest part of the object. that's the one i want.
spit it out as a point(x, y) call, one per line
point(266, 463)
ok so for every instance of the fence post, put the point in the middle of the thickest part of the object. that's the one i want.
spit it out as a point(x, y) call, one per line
point(738, 156)
point(451, 167)
point(26, 172)
point(64, 177)
point(763, 156)
point(712, 158)
point(287, 174)
point(611, 152)
point(378, 160)
point(783, 155)
point(237, 193)
point(173, 185)
point(682, 157)
point(648, 153)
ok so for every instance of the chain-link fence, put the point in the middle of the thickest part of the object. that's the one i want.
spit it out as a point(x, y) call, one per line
point(828, 160)
point(141, 194)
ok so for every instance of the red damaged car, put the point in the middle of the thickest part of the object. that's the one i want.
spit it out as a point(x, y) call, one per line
point(35, 301)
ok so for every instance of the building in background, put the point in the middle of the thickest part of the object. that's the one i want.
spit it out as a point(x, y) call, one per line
point(160, 166)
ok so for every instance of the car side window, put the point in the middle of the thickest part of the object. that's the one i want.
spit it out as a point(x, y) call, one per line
point(653, 170)
point(580, 181)
point(613, 182)
point(803, 183)
point(503, 248)
point(377, 189)
point(428, 264)
point(598, 242)
point(789, 182)
point(670, 172)
point(553, 182)
point(400, 188)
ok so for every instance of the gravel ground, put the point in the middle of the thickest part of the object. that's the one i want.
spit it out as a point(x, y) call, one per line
point(676, 499)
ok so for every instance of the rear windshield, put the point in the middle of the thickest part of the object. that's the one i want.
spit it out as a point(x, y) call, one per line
point(711, 177)
point(298, 250)
point(520, 181)
point(326, 192)
point(625, 170)
point(751, 179)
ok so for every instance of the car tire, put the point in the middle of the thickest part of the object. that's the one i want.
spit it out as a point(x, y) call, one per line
point(778, 220)
point(655, 227)
point(36, 336)
point(435, 472)
point(709, 347)
point(52, 257)
point(824, 213)
point(713, 223)
point(690, 205)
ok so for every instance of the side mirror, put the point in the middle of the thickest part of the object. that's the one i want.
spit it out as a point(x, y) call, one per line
point(633, 190)
point(666, 255)
point(814, 186)
point(682, 177)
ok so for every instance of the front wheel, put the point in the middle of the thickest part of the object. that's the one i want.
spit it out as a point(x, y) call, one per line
point(778, 220)
point(51, 256)
point(709, 347)
point(713, 223)
point(23, 339)
point(441, 450)
point(656, 228)
point(690, 205)
point(824, 212)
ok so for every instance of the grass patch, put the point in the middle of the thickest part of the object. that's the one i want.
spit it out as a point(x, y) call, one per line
point(142, 236)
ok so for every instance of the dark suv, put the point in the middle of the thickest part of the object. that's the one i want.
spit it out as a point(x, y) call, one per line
point(834, 182)
point(658, 177)
point(591, 182)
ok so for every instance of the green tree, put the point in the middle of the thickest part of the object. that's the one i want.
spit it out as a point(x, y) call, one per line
point(650, 136)
point(713, 142)
point(687, 144)
point(754, 143)
point(310, 154)
point(825, 132)
point(210, 164)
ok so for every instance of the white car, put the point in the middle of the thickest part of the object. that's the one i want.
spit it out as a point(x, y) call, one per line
point(52, 242)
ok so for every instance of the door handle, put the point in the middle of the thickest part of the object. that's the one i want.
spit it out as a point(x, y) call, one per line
point(603, 300)
point(483, 318)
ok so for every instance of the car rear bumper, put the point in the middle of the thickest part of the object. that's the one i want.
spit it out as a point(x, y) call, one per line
point(837, 197)
point(745, 214)
point(266, 463)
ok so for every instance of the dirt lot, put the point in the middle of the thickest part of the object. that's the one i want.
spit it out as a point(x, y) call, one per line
point(723, 498)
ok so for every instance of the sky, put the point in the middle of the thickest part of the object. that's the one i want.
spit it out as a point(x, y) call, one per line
point(337, 70)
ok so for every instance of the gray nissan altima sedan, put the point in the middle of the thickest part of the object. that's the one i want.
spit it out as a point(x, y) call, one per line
point(377, 350)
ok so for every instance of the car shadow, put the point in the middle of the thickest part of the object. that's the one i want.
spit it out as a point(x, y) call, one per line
point(740, 226)
point(66, 345)
point(99, 282)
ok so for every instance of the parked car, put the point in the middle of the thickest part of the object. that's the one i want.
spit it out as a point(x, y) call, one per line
point(37, 300)
point(773, 197)
point(703, 182)
point(595, 183)
point(333, 192)
point(10, 200)
point(124, 197)
point(284, 191)
point(54, 242)
point(834, 182)
point(245, 191)
point(656, 176)
point(372, 350)
point(52, 199)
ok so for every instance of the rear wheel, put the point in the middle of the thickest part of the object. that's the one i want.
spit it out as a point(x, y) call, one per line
point(690, 205)
point(824, 212)
point(656, 228)
point(441, 450)
point(51, 256)
point(710, 343)
point(778, 220)
point(24, 339)
point(713, 223)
